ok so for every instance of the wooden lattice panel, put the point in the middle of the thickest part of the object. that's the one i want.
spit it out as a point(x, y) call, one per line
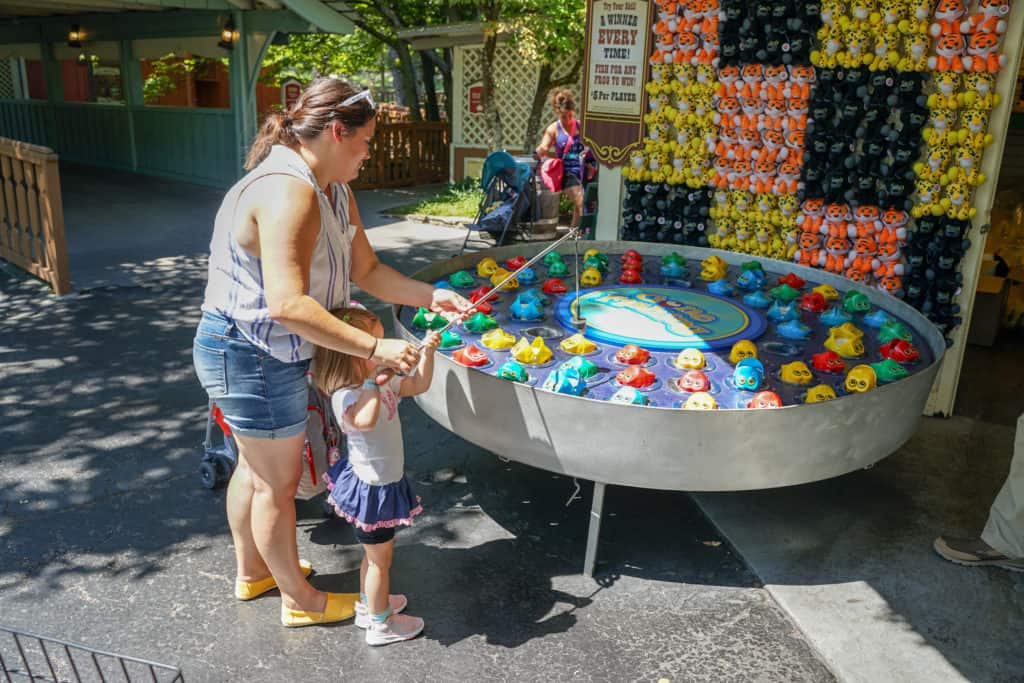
point(515, 82)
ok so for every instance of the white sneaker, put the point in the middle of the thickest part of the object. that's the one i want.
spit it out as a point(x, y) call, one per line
point(398, 627)
point(397, 603)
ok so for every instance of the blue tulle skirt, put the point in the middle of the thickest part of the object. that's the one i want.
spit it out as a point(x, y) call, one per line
point(368, 506)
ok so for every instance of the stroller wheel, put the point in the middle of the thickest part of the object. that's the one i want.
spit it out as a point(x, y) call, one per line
point(208, 474)
point(225, 466)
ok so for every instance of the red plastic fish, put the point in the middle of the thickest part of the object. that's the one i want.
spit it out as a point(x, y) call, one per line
point(813, 302)
point(900, 350)
point(478, 293)
point(515, 262)
point(694, 380)
point(630, 277)
point(765, 399)
point(631, 354)
point(554, 285)
point(793, 280)
point(471, 356)
point(637, 377)
point(828, 361)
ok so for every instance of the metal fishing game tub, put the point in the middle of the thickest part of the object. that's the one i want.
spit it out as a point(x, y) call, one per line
point(667, 448)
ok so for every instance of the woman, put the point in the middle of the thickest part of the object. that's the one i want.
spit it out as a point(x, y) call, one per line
point(287, 241)
point(564, 134)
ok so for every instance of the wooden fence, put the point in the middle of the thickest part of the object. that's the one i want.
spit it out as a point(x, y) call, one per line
point(407, 154)
point(31, 213)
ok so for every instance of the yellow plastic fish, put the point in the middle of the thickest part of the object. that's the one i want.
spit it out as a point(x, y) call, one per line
point(713, 268)
point(535, 353)
point(742, 349)
point(578, 344)
point(700, 400)
point(497, 339)
point(500, 274)
point(861, 378)
point(846, 340)
point(828, 291)
point(796, 372)
point(691, 359)
point(486, 267)
point(820, 393)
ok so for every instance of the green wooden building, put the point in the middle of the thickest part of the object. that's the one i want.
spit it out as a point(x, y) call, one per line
point(71, 78)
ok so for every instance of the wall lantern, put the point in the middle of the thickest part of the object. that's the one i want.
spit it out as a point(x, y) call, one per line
point(228, 35)
point(75, 36)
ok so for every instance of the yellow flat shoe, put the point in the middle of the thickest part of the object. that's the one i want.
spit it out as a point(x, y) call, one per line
point(247, 590)
point(339, 607)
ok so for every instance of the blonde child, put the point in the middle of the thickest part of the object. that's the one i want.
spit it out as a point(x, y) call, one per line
point(369, 488)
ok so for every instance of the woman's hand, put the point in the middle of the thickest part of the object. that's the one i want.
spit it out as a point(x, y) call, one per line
point(451, 305)
point(396, 354)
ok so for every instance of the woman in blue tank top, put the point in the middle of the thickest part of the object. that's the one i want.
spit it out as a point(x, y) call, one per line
point(564, 134)
point(287, 241)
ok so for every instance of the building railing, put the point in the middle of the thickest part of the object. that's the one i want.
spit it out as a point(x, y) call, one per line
point(32, 213)
point(405, 154)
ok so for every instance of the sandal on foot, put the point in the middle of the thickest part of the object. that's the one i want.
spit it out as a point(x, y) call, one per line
point(339, 607)
point(247, 590)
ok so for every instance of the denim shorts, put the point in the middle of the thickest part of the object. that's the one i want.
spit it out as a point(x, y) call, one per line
point(260, 396)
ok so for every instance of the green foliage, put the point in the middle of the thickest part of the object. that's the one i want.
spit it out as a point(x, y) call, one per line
point(456, 199)
point(546, 30)
point(168, 73)
point(309, 55)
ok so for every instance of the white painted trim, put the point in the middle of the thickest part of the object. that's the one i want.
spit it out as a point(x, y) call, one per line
point(943, 394)
point(458, 76)
point(610, 190)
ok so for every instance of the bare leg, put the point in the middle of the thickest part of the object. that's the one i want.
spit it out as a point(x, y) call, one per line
point(576, 195)
point(378, 575)
point(250, 564)
point(363, 566)
point(275, 469)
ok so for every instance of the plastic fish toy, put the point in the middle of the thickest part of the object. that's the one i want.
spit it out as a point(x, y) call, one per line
point(889, 370)
point(748, 374)
point(631, 354)
point(860, 378)
point(428, 320)
point(835, 317)
point(765, 399)
point(636, 376)
point(691, 359)
point(485, 267)
point(796, 372)
point(461, 279)
point(513, 371)
point(876, 318)
point(820, 394)
point(629, 396)
point(828, 361)
point(480, 323)
point(471, 356)
point(846, 340)
point(700, 400)
point(757, 299)
point(450, 339)
point(586, 368)
point(744, 348)
point(780, 312)
point(794, 329)
point(528, 310)
point(531, 353)
point(721, 287)
point(565, 381)
point(498, 339)
point(527, 276)
point(579, 344)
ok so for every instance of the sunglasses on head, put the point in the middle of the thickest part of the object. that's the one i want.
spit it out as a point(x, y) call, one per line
point(362, 95)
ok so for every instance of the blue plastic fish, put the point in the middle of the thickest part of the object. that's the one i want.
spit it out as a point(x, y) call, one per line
point(721, 287)
point(565, 381)
point(834, 317)
point(526, 310)
point(527, 276)
point(794, 329)
point(674, 270)
point(876, 318)
point(757, 299)
point(781, 312)
point(748, 374)
point(751, 280)
point(630, 396)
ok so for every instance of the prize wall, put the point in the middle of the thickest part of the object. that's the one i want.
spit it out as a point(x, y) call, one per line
point(846, 136)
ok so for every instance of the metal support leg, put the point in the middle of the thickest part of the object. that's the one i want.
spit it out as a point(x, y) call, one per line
point(596, 506)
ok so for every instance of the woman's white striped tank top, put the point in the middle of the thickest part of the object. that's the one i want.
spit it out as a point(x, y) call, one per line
point(235, 286)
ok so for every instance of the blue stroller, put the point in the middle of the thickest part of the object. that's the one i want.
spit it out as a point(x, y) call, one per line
point(509, 198)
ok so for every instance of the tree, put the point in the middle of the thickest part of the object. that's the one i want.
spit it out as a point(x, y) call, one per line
point(309, 55)
point(382, 19)
point(544, 32)
point(552, 34)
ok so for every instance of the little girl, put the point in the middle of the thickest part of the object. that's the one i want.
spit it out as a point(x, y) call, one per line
point(369, 488)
